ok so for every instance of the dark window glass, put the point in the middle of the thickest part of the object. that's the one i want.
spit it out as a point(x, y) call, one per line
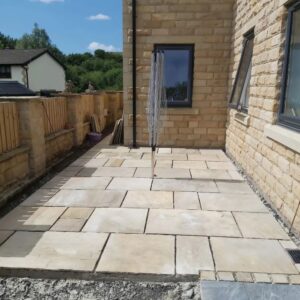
point(241, 88)
point(290, 102)
point(5, 72)
point(178, 73)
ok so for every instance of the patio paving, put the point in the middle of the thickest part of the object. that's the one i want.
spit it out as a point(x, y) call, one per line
point(105, 214)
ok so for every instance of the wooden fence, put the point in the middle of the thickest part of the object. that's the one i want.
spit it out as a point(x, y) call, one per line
point(9, 127)
point(55, 114)
point(87, 106)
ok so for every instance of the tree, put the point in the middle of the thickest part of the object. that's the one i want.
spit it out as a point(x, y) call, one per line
point(38, 38)
point(6, 42)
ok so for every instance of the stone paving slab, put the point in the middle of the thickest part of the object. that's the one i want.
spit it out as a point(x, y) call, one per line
point(259, 225)
point(130, 184)
point(4, 235)
point(163, 164)
point(231, 202)
point(163, 173)
point(77, 213)
point(137, 163)
point(114, 162)
point(180, 185)
point(96, 163)
point(52, 250)
point(186, 200)
point(148, 199)
point(191, 222)
point(197, 165)
point(56, 182)
point(114, 172)
point(87, 198)
point(86, 172)
point(234, 187)
point(31, 218)
point(139, 254)
point(211, 174)
point(206, 157)
point(158, 156)
point(68, 225)
point(251, 255)
point(220, 165)
point(120, 155)
point(118, 220)
point(40, 197)
point(69, 171)
point(83, 183)
point(193, 254)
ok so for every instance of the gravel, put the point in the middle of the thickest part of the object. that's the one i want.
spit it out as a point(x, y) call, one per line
point(26, 288)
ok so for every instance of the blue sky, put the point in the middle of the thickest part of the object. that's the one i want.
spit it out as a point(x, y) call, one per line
point(73, 25)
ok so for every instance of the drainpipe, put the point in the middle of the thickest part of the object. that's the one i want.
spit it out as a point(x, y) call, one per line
point(134, 145)
point(27, 77)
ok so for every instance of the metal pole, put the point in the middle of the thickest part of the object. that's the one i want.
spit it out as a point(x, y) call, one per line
point(134, 145)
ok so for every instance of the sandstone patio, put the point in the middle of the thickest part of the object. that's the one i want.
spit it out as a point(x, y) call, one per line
point(103, 215)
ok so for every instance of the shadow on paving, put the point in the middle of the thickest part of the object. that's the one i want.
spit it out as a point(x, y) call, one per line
point(212, 290)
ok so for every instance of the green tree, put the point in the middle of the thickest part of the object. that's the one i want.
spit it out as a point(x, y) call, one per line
point(7, 42)
point(38, 39)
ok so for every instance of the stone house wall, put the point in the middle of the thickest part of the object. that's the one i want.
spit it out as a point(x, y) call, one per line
point(273, 167)
point(268, 153)
point(206, 24)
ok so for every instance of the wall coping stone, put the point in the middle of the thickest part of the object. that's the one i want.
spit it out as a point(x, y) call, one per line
point(57, 134)
point(8, 155)
point(284, 136)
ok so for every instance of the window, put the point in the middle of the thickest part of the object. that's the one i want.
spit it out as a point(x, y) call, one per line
point(178, 74)
point(241, 88)
point(5, 71)
point(289, 113)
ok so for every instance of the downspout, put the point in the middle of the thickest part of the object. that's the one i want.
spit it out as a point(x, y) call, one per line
point(27, 77)
point(134, 145)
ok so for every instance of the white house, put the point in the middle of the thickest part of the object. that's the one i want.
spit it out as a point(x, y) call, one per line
point(37, 69)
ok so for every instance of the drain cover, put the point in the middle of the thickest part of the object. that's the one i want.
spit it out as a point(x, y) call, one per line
point(295, 254)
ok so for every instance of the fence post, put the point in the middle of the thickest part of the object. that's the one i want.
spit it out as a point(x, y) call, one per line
point(32, 133)
point(99, 102)
point(75, 117)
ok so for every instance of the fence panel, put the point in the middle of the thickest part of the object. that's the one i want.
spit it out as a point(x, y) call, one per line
point(9, 127)
point(87, 106)
point(55, 114)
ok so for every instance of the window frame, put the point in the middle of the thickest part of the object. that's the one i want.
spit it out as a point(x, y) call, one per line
point(288, 121)
point(5, 75)
point(191, 49)
point(247, 37)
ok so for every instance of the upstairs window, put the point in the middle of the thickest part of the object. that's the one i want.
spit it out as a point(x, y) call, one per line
point(178, 74)
point(5, 71)
point(289, 114)
point(241, 88)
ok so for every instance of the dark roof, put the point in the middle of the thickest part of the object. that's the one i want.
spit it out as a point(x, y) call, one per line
point(14, 88)
point(19, 56)
point(23, 56)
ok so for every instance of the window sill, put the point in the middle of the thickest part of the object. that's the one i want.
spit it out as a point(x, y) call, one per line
point(284, 136)
point(242, 118)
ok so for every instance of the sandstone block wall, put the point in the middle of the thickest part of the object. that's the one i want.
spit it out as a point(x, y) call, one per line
point(206, 24)
point(274, 167)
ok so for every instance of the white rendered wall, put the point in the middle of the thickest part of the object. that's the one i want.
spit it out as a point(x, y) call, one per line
point(45, 73)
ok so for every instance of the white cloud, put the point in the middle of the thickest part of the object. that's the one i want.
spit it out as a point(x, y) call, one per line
point(47, 1)
point(96, 46)
point(99, 17)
